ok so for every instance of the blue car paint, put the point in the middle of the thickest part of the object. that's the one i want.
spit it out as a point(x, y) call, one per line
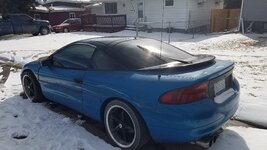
point(166, 123)
point(58, 84)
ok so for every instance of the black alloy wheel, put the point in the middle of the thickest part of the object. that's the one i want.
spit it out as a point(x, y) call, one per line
point(124, 125)
point(31, 87)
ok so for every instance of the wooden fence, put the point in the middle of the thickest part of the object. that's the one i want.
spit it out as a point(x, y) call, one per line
point(224, 19)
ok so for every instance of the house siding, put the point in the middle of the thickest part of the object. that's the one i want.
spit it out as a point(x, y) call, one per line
point(177, 15)
point(255, 10)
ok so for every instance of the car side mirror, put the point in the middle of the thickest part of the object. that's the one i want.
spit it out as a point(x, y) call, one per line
point(47, 62)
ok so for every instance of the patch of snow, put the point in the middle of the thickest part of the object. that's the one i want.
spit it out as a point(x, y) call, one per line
point(26, 125)
point(13, 80)
point(241, 138)
point(58, 8)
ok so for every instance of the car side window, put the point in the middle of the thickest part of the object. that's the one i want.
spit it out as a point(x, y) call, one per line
point(103, 61)
point(24, 18)
point(76, 56)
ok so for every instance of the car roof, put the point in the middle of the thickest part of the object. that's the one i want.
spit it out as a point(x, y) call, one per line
point(110, 40)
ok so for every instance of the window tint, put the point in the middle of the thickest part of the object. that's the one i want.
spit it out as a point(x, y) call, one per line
point(102, 61)
point(111, 8)
point(144, 53)
point(24, 18)
point(74, 57)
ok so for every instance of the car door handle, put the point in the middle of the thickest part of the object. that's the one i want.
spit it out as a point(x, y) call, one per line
point(79, 81)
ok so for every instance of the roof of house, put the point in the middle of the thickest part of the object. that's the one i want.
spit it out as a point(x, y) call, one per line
point(67, 1)
point(41, 8)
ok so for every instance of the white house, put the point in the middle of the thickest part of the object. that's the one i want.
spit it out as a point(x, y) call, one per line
point(178, 14)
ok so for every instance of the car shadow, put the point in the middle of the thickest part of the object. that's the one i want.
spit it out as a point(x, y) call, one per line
point(230, 139)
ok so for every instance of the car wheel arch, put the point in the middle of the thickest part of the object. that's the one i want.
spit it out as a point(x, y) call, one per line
point(28, 70)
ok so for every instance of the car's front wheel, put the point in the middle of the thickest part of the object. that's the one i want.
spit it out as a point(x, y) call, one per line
point(44, 31)
point(31, 87)
point(65, 30)
point(125, 126)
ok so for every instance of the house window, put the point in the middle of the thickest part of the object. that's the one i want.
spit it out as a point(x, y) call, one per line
point(169, 2)
point(140, 10)
point(111, 8)
point(72, 15)
point(37, 16)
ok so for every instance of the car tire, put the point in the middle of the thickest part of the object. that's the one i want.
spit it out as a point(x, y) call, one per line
point(125, 126)
point(35, 34)
point(44, 30)
point(65, 30)
point(31, 87)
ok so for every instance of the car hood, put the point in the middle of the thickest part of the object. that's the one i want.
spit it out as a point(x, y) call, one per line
point(42, 21)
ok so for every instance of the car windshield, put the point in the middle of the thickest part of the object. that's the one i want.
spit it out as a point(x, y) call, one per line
point(71, 21)
point(143, 53)
point(67, 21)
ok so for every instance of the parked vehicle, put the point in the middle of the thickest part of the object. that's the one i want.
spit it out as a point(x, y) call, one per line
point(138, 88)
point(21, 23)
point(68, 25)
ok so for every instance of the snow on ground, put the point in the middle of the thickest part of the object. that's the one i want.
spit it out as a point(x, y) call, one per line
point(250, 55)
point(39, 127)
point(240, 138)
point(54, 131)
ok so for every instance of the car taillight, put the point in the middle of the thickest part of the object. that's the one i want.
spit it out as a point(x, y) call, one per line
point(186, 95)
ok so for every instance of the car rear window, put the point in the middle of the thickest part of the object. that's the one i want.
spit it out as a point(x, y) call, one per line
point(143, 53)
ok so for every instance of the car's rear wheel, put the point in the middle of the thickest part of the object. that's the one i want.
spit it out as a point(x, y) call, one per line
point(44, 31)
point(124, 125)
point(65, 30)
point(31, 87)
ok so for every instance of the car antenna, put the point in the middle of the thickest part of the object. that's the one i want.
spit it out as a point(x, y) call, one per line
point(162, 26)
point(161, 34)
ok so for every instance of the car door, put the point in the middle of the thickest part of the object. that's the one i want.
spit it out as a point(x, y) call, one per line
point(16, 24)
point(76, 25)
point(28, 25)
point(62, 81)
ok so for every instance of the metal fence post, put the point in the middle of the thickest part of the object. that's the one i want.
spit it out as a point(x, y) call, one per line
point(136, 29)
point(169, 38)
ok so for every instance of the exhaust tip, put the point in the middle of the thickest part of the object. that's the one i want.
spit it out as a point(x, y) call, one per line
point(208, 141)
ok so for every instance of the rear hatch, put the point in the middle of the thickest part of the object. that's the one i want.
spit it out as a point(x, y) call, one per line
point(215, 75)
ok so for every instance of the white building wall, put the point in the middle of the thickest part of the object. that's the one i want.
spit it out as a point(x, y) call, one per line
point(176, 15)
point(200, 13)
point(183, 15)
point(98, 10)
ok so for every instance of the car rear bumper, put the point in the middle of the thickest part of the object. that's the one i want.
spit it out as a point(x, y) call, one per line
point(191, 122)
